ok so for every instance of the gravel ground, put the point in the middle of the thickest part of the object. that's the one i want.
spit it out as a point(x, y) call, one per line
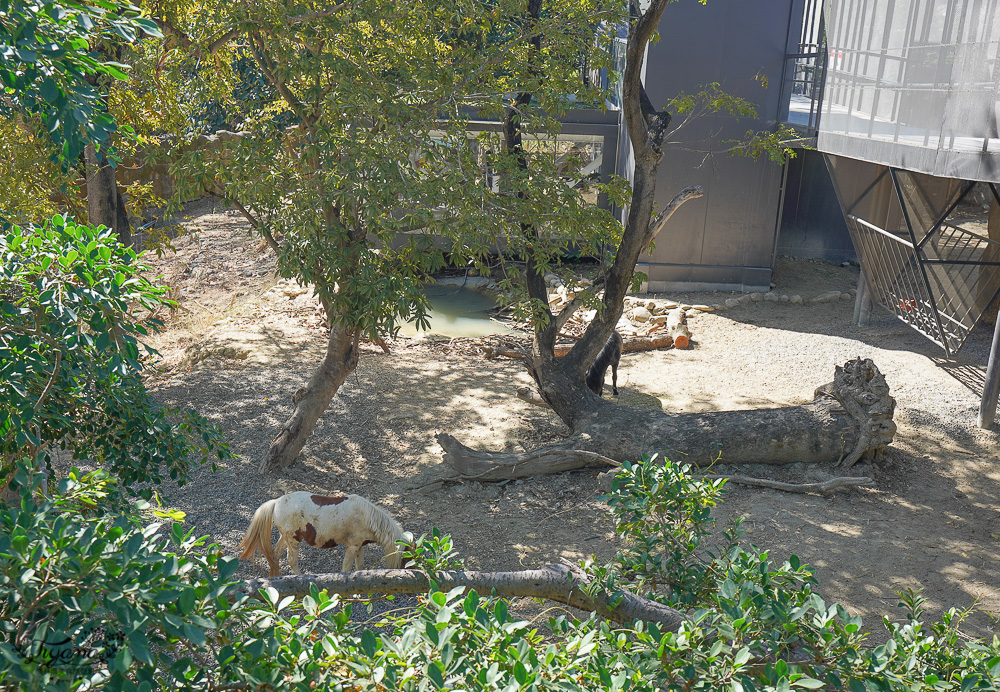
point(244, 343)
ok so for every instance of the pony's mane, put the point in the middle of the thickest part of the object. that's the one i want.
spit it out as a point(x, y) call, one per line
point(382, 524)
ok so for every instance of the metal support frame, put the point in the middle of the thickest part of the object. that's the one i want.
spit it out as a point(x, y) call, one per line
point(988, 407)
point(863, 304)
point(918, 256)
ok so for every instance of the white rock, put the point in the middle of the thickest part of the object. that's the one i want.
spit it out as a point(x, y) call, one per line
point(783, 298)
point(826, 297)
point(797, 300)
point(641, 314)
point(702, 308)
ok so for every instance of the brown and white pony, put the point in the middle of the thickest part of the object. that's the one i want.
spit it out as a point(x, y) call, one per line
point(322, 522)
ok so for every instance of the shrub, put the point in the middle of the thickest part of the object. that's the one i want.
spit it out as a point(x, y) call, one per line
point(73, 303)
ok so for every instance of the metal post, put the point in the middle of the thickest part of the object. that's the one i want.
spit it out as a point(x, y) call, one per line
point(988, 409)
point(862, 302)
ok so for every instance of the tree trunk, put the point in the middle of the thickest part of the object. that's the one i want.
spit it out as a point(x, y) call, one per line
point(849, 418)
point(553, 582)
point(105, 204)
point(311, 401)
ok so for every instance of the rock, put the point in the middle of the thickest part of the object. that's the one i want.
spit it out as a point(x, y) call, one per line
point(669, 305)
point(651, 305)
point(702, 308)
point(796, 300)
point(756, 297)
point(770, 297)
point(826, 297)
point(746, 297)
point(658, 319)
point(716, 306)
point(846, 296)
point(641, 314)
point(732, 302)
point(605, 478)
point(783, 298)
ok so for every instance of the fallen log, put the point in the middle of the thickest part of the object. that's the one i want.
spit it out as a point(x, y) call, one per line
point(848, 419)
point(677, 328)
point(632, 345)
point(553, 582)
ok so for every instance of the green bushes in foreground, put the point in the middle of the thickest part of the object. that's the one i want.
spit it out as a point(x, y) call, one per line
point(93, 600)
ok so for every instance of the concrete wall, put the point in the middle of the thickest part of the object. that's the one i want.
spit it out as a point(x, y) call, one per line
point(725, 240)
point(812, 224)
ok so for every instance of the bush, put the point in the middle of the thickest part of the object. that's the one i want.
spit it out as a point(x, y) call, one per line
point(99, 601)
point(70, 361)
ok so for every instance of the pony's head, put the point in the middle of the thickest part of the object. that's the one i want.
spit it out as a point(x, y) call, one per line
point(404, 549)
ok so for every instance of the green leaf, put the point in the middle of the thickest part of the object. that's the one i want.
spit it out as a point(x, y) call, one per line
point(435, 674)
point(368, 643)
point(50, 91)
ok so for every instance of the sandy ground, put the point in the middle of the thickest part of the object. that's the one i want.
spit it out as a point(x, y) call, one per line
point(243, 343)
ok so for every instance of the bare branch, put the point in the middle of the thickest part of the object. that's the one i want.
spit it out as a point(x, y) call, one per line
point(823, 487)
point(660, 221)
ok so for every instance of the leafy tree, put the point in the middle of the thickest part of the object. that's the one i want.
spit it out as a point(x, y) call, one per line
point(49, 57)
point(60, 59)
point(599, 426)
point(380, 158)
point(73, 303)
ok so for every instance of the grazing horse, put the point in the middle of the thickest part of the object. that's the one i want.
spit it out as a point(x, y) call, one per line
point(609, 355)
point(322, 522)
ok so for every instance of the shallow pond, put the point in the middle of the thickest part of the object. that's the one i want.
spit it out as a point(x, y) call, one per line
point(457, 311)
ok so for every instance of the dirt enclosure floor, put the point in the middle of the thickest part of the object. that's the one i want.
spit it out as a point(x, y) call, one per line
point(243, 343)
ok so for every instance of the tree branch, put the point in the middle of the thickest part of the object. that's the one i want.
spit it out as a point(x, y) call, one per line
point(660, 221)
point(822, 487)
point(553, 582)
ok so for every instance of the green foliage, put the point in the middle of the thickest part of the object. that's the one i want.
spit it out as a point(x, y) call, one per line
point(381, 160)
point(664, 513)
point(777, 145)
point(97, 601)
point(29, 178)
point(433, 553)
point(70, 359)
point(49, 58)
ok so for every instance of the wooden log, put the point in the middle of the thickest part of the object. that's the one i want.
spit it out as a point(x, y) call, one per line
point(633, 345)
point(849, 418)
point(553, 582)
point(677, 328)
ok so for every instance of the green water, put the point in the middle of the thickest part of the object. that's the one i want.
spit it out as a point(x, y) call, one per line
point(457, 311)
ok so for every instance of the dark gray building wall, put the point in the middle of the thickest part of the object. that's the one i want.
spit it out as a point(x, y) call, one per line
point(725, 240)
point(812, 224)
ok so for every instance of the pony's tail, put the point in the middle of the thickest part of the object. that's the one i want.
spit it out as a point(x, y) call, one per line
point(258, 535)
